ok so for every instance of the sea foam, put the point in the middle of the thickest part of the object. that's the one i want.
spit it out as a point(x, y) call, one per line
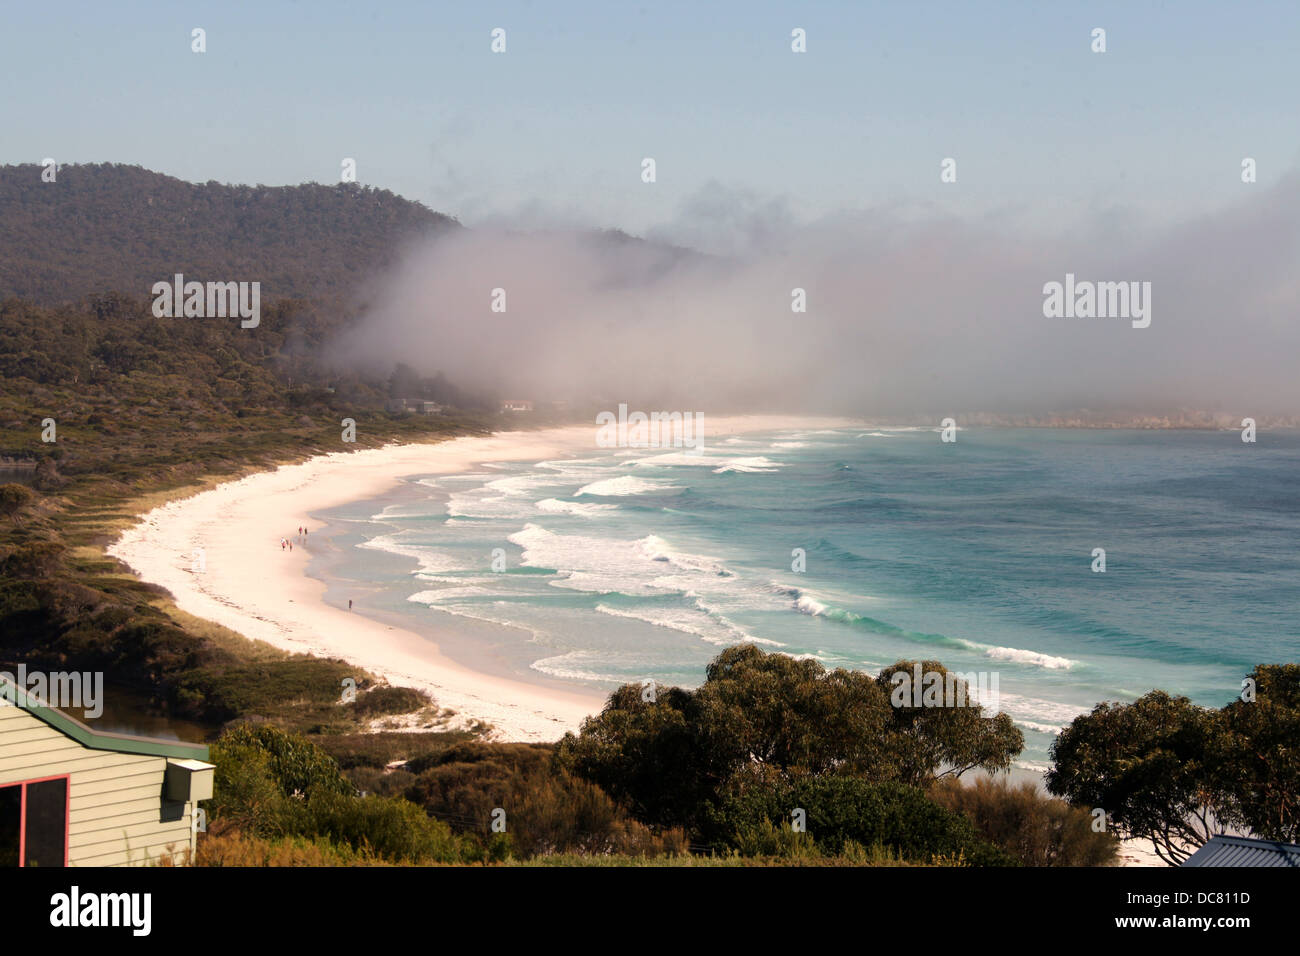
point(622, 486)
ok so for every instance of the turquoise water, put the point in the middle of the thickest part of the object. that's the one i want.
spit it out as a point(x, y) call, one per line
point(627, 565)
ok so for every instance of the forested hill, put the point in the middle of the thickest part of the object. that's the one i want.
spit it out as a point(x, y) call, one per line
point(106, 226)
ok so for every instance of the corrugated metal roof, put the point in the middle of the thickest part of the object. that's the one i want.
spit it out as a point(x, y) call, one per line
point(1242, 851)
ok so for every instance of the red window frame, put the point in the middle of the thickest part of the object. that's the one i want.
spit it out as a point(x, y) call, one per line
point(22, 813)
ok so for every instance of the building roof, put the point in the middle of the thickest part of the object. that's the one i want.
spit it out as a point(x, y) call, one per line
point(1224, 850)
point(12, 694)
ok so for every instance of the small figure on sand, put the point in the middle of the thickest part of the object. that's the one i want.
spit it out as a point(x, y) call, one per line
point(282, 544)
point(349, 604)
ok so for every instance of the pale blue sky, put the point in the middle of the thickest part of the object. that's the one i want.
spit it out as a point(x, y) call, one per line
point(1042, 128)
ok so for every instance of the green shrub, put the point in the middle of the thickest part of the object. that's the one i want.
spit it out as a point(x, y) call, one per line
point(378, 750)
point(390, 700)
point(394, 828)
point(766, 838)
point(271, 785)
point(245, 794)
point(667, 758)
point(843, 811)
point(297, 766)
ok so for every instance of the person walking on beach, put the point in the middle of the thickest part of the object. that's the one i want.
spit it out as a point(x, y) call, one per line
point(349, 604)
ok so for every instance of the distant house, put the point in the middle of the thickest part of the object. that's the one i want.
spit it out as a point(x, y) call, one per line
point(71, 796)
point(1225, 850)
point(516, 405)
point(417, 405)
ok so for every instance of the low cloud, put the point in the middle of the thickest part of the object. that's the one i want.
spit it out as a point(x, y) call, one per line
point(906, 314)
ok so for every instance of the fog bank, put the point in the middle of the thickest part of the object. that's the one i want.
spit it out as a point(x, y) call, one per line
point(904, 316)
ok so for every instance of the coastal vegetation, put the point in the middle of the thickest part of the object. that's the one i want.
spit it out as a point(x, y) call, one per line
point(111, 226)
point(113, 412)
point(108, 411)
point(1168, 771)
point(770, 760)
point(775, 760)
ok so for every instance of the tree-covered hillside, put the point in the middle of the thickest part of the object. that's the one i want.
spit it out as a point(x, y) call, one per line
point(107, 226)
point(105, 407)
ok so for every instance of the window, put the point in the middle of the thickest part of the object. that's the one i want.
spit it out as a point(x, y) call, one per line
point(34, 823)
point(11, 824)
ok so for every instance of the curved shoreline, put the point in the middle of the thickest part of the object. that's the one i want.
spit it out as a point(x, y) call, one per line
point(253, 587)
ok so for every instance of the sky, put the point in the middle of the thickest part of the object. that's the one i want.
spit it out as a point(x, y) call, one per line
point(1045, 132)
point(817, 171)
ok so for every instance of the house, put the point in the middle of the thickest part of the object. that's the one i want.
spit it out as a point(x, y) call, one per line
point(72, 796)
point(516, 405)
point(413, 405)
point(1224, 850)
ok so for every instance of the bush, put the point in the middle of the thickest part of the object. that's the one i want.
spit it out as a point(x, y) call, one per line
point(667, 758)
point(271, 785)
point(390, 700)
point(245, 793)
point(556, 814)
point(14, 498)
point(1038, 830)
point(234, 688)
point(844, 812)
point(547, 810)
point(394, 828)
point(297, 766)
point(768, 839)
point(378, 750)
point(382, 783)
point(234, 848)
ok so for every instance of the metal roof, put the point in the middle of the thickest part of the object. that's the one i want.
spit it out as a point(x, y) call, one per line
point(1226, 850)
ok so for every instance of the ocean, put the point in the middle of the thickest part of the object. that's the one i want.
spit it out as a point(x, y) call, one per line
point(859, 547)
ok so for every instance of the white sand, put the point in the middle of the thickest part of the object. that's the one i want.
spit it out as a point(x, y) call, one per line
point(253, 587)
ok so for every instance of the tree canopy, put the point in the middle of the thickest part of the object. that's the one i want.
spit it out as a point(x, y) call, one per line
point(1166, 770)
point(112, 226)
point(770, 720)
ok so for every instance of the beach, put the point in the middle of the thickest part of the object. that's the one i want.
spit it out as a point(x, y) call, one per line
point(296, 602)
point(250, 585)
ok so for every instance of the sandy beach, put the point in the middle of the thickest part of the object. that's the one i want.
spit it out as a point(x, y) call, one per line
point(252, 586)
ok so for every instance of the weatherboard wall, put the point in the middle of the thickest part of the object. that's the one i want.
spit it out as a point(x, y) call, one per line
point(117, 815)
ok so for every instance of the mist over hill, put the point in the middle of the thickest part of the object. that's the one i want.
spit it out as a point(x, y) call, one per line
point(901, 318)
point(877, 313)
